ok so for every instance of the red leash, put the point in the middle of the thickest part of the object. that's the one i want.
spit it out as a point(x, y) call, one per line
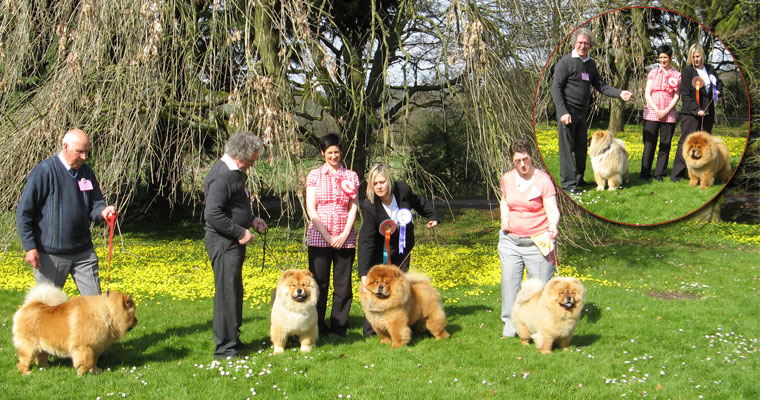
point(111, 221)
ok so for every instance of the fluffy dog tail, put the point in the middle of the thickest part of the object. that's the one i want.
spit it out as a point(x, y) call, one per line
point(529, 289)
point(46, 294)
point(414, 277)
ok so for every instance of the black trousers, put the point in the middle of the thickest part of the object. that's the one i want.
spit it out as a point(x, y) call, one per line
point(402, 261)
point(342, 261)
point(689, 124)
point(227, 258)
point(572, 153)
point(651, 130)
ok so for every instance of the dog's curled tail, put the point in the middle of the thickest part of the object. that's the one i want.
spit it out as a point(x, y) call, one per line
point(414, 277)
point(46, 294)
point(529, 289)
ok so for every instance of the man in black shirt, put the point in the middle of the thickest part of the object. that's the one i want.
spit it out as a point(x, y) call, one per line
point(574, 75)
point(228, 218)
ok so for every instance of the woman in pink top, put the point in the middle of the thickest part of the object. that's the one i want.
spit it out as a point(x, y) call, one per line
point(529, 218)
point(661, 94)
point(331, 204)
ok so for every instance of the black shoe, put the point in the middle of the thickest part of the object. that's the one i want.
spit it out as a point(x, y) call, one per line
point(340, 332)
point(324, 331)
point(583, 184)
point(658, 178)
point(234, 354)
point(243, 346)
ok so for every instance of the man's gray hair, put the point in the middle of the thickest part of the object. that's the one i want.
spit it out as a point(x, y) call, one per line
point(244, 146)
point(583, 32)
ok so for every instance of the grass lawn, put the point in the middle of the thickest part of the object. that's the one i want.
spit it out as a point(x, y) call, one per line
point(641, 202)
point(672, 312)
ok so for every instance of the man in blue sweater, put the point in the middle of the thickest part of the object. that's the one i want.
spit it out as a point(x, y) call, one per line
point(228, 218)
point(574, 75)
point(60, 199)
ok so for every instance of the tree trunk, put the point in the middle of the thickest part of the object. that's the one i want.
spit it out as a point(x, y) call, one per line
point(709, 213)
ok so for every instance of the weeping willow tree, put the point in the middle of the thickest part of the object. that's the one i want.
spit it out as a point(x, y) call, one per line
point(159, 85)
point(515, 52)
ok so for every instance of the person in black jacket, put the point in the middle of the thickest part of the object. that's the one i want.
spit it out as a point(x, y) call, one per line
point(61, 197)
point(574, 75)
point(695, 115)
point(229, 217)
point(384, 200)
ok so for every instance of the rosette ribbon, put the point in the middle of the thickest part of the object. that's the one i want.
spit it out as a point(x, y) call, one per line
point(697, 82)
point(387, 228)
point(714, 82)
point(673, 83)
point(403, 218)
point(348, 188)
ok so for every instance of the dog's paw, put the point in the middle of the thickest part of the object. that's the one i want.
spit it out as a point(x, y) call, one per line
point(278, 350)
point(305, 349)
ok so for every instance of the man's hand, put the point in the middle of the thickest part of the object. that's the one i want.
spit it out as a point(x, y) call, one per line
point(566, 119)
point(431, 224)
point(259, 225)
point(247, 237)
point(625, 95)
point(33, 258)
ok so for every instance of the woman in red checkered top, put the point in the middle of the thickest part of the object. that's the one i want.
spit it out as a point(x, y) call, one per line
point(331, 203)
point(661, 94)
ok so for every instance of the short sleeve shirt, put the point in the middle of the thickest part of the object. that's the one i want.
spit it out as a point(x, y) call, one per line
point(664, 88)
point(332, 204)
point(527, 216)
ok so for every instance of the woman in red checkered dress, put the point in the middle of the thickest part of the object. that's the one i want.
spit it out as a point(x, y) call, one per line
point(331, 203)
point(660, 115)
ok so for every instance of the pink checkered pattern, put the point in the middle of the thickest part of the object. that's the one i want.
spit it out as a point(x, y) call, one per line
point(662, 93)
point(332, 204)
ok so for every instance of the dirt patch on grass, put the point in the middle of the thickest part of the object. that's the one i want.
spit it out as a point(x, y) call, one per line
point(672, 295)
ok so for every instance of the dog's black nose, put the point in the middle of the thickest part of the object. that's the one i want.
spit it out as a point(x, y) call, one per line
point(380, 287)
point(299, 291)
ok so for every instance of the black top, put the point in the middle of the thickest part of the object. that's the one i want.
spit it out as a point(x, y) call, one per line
point(371, 242)
point(571, 86)
point(689, 93)
point(228, 204)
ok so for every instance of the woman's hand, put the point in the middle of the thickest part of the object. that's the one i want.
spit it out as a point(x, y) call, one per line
point(553, 232)
point(505, 225)
point(431, 224)
point(661, 114)
point(337, 242)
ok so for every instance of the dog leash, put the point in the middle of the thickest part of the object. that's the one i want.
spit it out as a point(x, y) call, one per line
point(415, 245)
point(111, 221)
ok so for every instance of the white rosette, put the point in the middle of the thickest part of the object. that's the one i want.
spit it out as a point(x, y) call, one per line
point(403, 218)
